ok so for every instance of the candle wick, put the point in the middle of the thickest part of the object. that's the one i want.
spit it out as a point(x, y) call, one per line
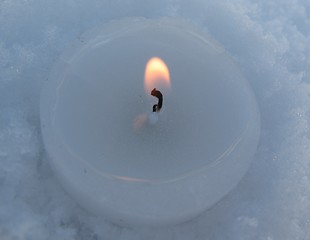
point(158, 94)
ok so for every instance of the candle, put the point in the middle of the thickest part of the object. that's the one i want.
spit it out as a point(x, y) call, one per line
point(148, 121)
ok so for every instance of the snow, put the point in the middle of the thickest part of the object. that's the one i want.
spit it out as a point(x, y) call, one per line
point(270, 40)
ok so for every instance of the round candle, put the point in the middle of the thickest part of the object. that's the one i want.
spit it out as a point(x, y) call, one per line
point(121, 160)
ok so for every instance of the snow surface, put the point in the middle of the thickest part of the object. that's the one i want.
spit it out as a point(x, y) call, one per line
point(270, 40)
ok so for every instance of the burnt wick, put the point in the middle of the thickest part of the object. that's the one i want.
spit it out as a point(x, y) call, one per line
point(158, 94)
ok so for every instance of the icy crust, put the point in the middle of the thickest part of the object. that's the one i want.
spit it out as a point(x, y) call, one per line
point(203, 148)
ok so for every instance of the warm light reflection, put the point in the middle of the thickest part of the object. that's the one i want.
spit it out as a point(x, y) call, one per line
point(139, 121)
point(156, 75)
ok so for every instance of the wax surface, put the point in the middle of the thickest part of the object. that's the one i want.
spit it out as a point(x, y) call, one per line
point(156, 174)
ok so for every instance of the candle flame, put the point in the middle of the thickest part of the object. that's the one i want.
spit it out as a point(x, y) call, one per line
point(156, 75)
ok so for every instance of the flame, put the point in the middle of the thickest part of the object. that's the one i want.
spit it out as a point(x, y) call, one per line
point(156, 75)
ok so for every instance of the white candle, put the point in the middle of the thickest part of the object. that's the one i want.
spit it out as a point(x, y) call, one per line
point(187, 157)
